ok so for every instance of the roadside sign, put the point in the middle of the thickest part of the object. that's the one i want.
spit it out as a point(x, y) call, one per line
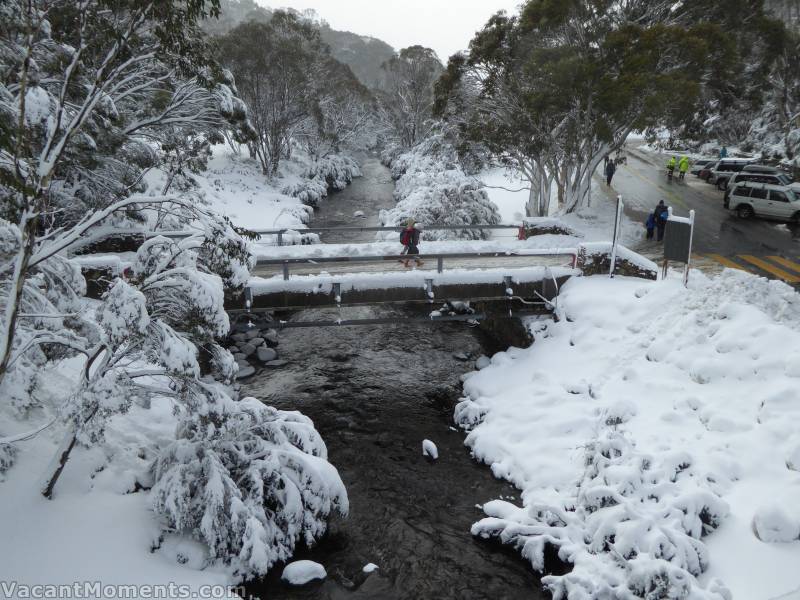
point(678, 238)
point(615, 239)
point(678, 241)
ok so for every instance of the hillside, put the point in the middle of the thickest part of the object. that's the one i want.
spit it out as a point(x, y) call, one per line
point(363, 54)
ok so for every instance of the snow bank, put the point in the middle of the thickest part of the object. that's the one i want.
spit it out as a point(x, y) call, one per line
point(300, 572)
point(650, 432)
point(433, 189)
point(234, 185)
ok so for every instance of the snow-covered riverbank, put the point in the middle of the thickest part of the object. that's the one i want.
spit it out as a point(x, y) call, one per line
point(653, 431)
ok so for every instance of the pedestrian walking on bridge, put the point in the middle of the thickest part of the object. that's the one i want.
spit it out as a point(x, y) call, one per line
point(409, 237)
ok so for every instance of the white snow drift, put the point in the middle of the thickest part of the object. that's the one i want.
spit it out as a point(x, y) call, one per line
point(653, 431)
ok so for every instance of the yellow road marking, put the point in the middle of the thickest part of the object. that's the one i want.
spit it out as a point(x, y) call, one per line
point(786, 263)
point(764, 265)
point(726, 262)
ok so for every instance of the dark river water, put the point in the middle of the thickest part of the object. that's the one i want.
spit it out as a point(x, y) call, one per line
point(375, 393)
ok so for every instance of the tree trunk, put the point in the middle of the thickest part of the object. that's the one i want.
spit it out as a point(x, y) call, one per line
point(17, 287)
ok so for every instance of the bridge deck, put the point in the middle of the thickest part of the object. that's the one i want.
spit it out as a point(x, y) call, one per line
point(353, 289)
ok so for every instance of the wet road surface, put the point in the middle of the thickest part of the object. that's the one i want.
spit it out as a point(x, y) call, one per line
point(722, 239)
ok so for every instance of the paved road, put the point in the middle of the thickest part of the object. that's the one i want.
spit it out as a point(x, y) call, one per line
point(721, 239)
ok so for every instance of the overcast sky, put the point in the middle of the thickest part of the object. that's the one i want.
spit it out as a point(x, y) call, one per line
point(447, 26)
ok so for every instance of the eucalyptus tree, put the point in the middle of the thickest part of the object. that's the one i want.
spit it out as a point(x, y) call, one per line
point(406, 95)
point(555, 89)
point(273, 64)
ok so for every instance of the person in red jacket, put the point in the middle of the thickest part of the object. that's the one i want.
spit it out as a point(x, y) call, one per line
point(409, 237)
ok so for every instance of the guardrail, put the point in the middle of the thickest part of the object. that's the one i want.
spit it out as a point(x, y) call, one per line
point(285, 263)
point(281, 232)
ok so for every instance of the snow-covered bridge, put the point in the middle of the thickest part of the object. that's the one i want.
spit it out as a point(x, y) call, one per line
point(524, 280)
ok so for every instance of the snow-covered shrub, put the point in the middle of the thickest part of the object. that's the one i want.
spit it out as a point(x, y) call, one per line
point(632, 531)
point(248, 480)
point(336, 171)
point(309, 191)
point(8, 454)
point(434, 190)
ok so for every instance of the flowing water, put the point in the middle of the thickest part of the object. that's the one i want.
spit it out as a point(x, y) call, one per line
point(375, 393)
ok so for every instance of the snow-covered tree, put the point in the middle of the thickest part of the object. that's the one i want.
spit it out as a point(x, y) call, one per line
point(433, 189)
point(272, 64)
point(555, 89)
point(247, 480)
point(405, 95)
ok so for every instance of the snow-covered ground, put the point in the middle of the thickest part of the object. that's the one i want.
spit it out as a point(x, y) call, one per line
point(653, 432)
point(235, 187)
point(595, 223)
point(94, 529)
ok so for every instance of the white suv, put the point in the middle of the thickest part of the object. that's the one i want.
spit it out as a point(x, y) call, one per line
point(779, 202)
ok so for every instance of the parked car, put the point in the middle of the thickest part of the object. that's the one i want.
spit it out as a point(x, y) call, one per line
point(700, 164)
point(705, 172)
point(766, 200)
point(758, 174)
point(724, 169)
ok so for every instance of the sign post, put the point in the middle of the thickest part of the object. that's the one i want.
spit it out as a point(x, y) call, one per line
point(615, 239)
point(678, 239)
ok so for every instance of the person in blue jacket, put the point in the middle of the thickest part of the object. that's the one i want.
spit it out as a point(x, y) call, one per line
point(723, 153)
point(650, 224)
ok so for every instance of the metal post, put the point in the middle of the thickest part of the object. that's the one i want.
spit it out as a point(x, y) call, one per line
point(617, 223)
point(248, 298)
point(280, 238)
point(440, 264)
point(665, 268)
point(429, 289)
point(508, 281)
point(337, 292)
point(286, 271)
point(689, 256)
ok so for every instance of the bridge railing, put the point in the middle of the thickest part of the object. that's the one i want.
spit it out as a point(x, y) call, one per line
point(286, 263)
point(280, 233)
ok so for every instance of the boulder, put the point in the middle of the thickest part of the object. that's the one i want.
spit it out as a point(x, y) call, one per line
point(239, 337)
point(300, 572)
point(266, 354)
point(248, 349)
point(253, 333)
point(238, 357)
point(270, 336)
point(277, 363)
point(257, 342)
point(245, 371)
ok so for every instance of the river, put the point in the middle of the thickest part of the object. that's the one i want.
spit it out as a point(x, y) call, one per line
point(375, 393)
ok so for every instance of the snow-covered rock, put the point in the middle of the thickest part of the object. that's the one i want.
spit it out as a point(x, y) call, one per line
point(370, 567)
point(773, 523)
point(429, 449)
point(300, 572)
point(359, 214)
